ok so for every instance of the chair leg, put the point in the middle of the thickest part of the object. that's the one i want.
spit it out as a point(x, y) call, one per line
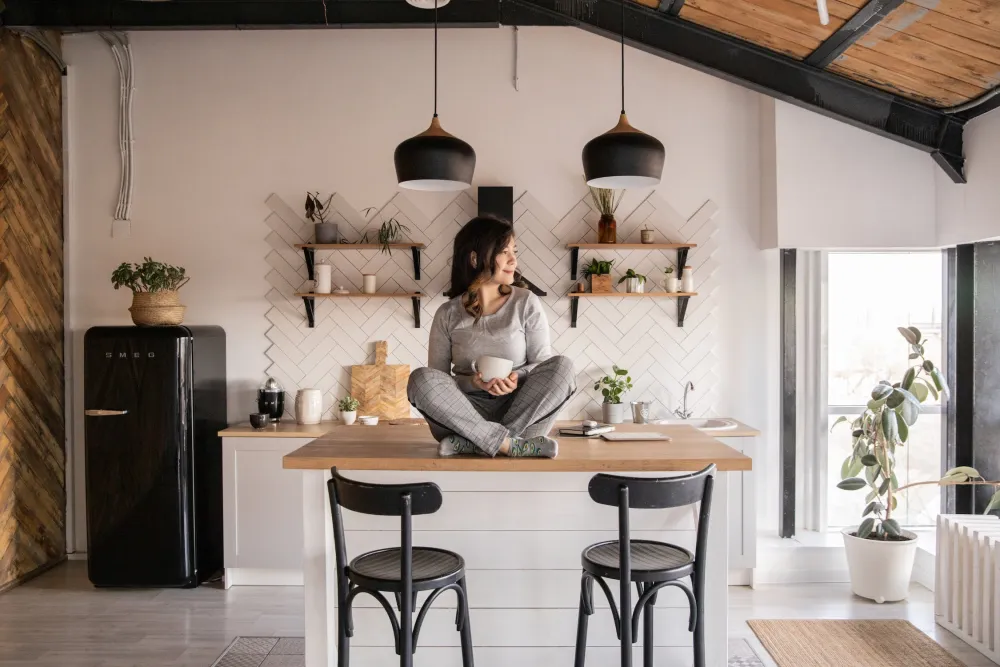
point(343, 641)
point(466, 634)
point(647, 632)
point(586, 609)
point(699, 627)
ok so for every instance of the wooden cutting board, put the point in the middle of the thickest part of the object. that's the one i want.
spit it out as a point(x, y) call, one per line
point(381, 388)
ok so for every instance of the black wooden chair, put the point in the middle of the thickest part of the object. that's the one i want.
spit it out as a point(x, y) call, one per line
point(651, 565)
point(403, 571)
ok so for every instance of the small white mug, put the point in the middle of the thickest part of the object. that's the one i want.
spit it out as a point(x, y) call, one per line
point(492, 367)
point(369, 283)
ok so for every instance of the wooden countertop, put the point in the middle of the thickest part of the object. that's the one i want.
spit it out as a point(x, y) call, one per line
point(413, 448)
point(289, 429)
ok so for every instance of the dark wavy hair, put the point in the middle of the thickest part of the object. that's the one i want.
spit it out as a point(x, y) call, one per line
point(487, 237)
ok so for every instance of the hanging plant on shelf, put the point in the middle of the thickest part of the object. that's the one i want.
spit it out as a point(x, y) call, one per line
point(390, 231)
point(318, 213)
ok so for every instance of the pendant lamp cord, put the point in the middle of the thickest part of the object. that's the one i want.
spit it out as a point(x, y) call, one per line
point(623, 55)
point(435, 58)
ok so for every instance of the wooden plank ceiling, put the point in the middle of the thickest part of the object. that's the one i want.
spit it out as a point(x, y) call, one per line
point(937, 52)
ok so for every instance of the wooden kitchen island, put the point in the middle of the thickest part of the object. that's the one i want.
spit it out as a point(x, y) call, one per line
point(521, 525)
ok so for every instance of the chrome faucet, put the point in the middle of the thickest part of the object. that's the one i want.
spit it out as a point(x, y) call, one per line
point(683, 411)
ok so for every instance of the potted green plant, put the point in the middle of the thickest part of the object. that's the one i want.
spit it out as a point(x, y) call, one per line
point(318, 212)
point(600, 275)
point(635, 283)
point(613, 388)
point(606, 202)
point(389, 232)
point(348, 409)
point(880, 552)
point(670, 282)
point(154, 288)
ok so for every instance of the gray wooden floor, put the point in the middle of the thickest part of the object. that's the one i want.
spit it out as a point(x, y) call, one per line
point(61, 620)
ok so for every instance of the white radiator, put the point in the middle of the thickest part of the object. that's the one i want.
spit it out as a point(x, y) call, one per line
point(967, 580)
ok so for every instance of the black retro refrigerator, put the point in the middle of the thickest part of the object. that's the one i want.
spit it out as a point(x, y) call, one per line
point(155, 401)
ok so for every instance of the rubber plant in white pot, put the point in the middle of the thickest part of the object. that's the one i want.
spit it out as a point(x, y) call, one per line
point(613, 388)
point(880, 552)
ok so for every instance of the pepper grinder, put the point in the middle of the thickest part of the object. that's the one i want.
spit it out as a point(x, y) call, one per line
point(271, 399)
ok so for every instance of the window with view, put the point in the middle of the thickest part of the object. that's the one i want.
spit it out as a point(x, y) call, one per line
point(869, 295)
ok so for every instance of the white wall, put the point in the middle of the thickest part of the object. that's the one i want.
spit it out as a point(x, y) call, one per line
point(970, 212)
point(223, 119)
point(837, 186)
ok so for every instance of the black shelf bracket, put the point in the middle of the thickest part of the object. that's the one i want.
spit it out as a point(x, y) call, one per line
point(574, 310)
point(682, 302)
point(310, 255)
point(416, 263)
point(310, 303)
point(416, 311)
point(682, 306)
point(574, 262)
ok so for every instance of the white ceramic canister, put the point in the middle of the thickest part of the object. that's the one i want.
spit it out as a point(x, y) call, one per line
point(308, 406)
point(687, 280)
point(324, 278)
point(369, 283)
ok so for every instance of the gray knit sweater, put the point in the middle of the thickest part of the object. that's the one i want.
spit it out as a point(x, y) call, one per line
point(519, 331)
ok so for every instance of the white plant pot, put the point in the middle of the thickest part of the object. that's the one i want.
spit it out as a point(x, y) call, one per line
point(349, 417)
point(671, 284)
point(613, 413)
point(635, 286)
point(880, 571)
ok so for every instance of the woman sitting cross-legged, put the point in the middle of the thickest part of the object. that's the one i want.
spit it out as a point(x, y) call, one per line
point(490, 316)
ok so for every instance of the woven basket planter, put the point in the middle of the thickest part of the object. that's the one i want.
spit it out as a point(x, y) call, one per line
point(156, 308)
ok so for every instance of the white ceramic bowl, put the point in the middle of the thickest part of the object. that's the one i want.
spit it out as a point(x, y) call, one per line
point(368, 420)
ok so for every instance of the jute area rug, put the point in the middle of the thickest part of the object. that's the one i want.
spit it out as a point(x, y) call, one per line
point(865, 643)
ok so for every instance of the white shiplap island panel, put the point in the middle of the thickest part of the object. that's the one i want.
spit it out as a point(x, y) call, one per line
point(521, 534)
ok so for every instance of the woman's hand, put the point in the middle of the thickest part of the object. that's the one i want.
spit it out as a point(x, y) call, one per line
point(477, 382)
point(504, 386)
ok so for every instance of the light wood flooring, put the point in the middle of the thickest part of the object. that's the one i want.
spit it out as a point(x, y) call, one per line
point(61, 620)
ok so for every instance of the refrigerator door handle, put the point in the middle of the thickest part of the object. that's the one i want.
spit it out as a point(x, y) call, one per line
point(104, 413)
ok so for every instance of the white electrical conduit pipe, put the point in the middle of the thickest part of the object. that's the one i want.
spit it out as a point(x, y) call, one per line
point(122, 53)
point(824, 13)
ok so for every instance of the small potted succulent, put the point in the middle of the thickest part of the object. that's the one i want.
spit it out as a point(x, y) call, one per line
point(635, 283)
point(670, 282)
point(600, 275)
point(880, 552)
point(154, 286)
point(613, 388)
point(318, 212)
point(606, 202)
point(348, 409)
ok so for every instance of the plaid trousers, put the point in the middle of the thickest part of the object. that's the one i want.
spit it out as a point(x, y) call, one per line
point(486, 420)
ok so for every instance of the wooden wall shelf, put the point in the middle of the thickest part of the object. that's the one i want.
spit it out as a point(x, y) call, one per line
point(574, 257)
point(309, 299)
point(309, 252)
point(631, 246)
point(669, 295)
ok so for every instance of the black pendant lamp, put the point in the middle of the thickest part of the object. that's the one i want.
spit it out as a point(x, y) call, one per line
point(434, 160)
point(623, 157)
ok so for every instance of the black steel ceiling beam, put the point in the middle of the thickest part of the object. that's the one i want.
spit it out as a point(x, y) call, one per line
point(774, 75)
point(228, 14)
point(854, 29)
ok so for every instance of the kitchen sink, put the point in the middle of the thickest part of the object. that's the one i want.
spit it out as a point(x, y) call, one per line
point(703, 423)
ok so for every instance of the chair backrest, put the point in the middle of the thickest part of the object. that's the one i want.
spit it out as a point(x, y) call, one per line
point(384, 499)
point(651, 492)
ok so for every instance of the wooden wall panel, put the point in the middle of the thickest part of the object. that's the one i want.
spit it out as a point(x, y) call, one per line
point(32, 452)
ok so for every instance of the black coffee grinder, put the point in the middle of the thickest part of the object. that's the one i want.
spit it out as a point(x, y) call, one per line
point(271, 399)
